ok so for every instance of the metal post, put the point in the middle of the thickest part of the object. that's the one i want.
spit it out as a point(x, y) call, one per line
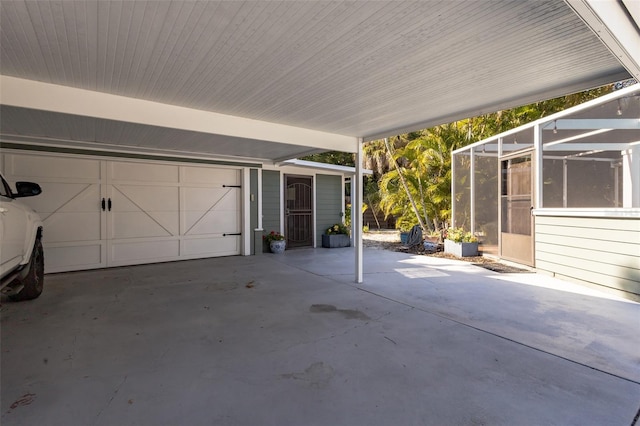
point(565, 194)
point(616, 185)
point(356, 213)
point(453, 191)
point(500, 201)
point(472, 191)
point(257, 233)
point(538, 164)
point(352, 184)
point(259, 200)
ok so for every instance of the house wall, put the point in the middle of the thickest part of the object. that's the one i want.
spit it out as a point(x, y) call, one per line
point(592, 250)
point(270, 202)
point(329, 195)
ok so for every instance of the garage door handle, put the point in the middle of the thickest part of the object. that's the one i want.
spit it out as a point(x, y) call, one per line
point(103, 205)
point(109, 204)
point(227, 235)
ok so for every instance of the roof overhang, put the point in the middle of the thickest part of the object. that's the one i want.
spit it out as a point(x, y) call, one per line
point(345, 170)
point(599, 129)
point(225, 135)
point(276, 80)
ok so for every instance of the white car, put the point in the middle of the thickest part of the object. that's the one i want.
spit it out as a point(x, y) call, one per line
point(21, 253)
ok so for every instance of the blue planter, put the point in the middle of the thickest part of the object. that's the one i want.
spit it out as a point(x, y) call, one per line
point(404, 237)
point(277, 247)
point(335, 240)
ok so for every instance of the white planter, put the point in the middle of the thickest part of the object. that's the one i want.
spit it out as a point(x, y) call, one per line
point(277, 247)
point(461, 249)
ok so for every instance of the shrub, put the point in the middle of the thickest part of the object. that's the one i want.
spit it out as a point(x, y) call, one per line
point(459, 235)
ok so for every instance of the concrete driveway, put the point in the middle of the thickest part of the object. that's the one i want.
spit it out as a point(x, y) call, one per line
point(291, 340)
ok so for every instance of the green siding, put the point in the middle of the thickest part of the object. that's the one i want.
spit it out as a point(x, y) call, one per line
point(328, 203)
point(601, 251)
point(270, 202)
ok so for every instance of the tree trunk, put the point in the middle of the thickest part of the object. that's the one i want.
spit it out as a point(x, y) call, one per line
point(404, 184)
point(373, 210)
point(424, 205)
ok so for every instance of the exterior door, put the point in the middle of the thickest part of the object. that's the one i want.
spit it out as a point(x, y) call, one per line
point(516, 236)
point(69, 206)
point(99, 213)
point(142, 212)
point(211, 212)
point(299, 211)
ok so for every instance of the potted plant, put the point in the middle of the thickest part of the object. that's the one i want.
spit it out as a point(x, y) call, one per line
point(404, 232)
point(460, 243)
point(336, 236)
point(435, 236)
point(276, 241)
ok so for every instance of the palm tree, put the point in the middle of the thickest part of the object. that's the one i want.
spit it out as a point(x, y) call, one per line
point(427, 173)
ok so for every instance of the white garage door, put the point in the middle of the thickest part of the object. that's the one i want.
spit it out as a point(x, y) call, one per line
point(101, 213)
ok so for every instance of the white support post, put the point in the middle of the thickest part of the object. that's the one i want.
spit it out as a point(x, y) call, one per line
point(247, 234)
point(352, 184)
point(283, 204)
point(472, 191)
point(538, 164)
point(453, 191)
point(258, 232)
point(500, 201)
point(565, 175)
point(631, 177)
point(616, 186)
point(259, 200)
point(356, 212)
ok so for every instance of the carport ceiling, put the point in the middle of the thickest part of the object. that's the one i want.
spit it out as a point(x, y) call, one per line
point(220, 77)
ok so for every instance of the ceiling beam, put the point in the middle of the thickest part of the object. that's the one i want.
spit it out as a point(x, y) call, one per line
point(593, 123)
point(589, 146)
point(23, 93)
point(615, 26)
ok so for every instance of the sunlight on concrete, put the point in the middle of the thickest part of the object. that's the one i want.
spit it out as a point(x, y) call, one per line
point(420, 273)
point(539, 280)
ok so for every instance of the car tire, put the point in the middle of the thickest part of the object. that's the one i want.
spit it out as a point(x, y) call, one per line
point(34, 281)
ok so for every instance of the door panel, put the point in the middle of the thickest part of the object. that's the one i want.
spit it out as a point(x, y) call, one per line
point(299, 211)
point(69, 205)
point(212, 246)
point(210, 176)
point(75, 256)
point(70, 212)
point(141, 250)
point(211, 210)
point(158, 212)
point(42, 168)
point(516, 203)
point(142, 211)
point(211, 222)
point(121, 171)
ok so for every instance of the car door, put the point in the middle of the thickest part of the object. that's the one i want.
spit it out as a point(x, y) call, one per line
point(13, 228)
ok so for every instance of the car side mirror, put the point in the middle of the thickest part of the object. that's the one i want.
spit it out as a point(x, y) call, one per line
point(27, 189)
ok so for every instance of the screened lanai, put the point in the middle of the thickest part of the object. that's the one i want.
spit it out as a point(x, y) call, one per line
point(561, 194)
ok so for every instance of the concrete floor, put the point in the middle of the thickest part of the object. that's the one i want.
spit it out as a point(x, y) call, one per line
point(291, 340)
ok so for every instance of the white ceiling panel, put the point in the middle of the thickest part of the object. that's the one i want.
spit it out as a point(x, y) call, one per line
point(354, 68)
